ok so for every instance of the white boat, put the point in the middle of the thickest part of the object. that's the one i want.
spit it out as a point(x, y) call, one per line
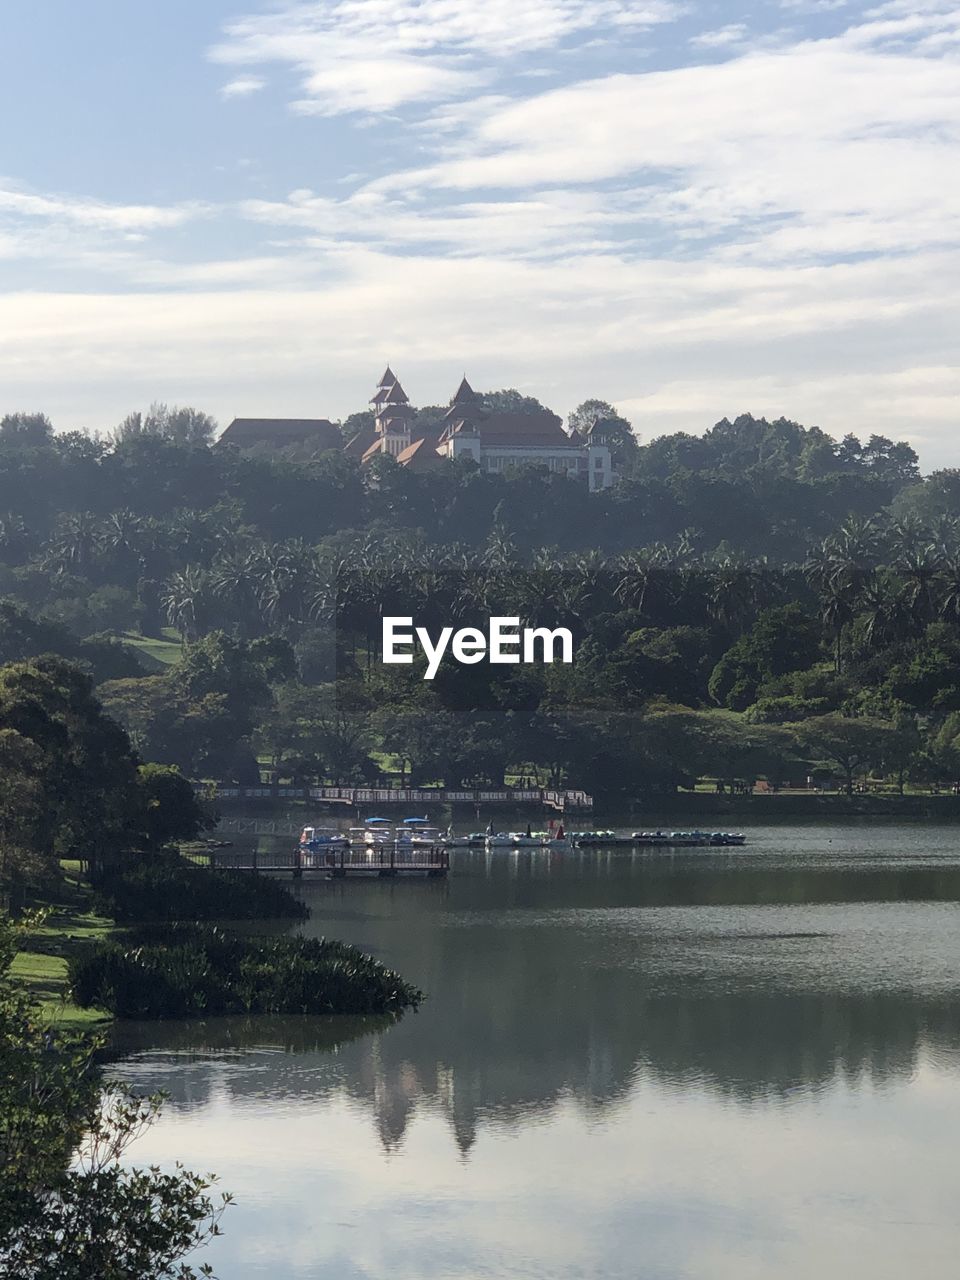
point(418, 833)
point(374, 832)
point(511, 840)
point(319, 837)
point(520, 840)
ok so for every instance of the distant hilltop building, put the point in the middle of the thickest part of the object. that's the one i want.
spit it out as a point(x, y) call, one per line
point(267, 435)
point(496, 441)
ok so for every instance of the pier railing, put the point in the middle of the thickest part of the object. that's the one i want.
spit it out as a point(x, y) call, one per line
point(563, 800)
point(340, 860)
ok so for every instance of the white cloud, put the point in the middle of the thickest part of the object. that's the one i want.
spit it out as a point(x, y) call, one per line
point(820, 149)
point(678, 344)
point(242, 87)
point(547, 224)
point(774, 233)
point(377, 55)
point(83, 212)
point(733, 33)
point(378, 85)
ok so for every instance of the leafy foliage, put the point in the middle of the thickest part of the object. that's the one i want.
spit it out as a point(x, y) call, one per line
point(168, 888)
point(763, 568)
point(188, 971)
point(73, 787)
point(71, 1208)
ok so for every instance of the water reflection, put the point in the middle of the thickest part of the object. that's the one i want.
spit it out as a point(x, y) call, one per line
point(553, 977)
point(588, 1016)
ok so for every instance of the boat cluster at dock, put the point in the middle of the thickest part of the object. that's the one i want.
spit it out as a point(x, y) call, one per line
point(414, 833)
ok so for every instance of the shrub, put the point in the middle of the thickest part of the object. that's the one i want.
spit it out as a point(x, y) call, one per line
point(168, 888)
point(189, 971)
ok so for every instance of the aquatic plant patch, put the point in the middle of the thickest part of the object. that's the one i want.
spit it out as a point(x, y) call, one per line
point(184, 971)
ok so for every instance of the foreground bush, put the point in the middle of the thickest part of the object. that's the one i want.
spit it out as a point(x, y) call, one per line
point(164, 888)
point(71, 1207)
point(190, 971)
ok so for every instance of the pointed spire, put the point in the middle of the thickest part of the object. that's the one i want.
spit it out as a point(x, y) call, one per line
point(465, 394)
point(388, 379)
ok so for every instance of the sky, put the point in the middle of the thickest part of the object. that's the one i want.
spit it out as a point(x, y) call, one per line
point(689, 209)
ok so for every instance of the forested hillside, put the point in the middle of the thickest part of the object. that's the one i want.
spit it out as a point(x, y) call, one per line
point(758, 601)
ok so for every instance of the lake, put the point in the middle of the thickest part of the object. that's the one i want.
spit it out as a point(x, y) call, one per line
point(711, 1064)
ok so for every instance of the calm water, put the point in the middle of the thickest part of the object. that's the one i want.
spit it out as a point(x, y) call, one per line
point(707, 1065)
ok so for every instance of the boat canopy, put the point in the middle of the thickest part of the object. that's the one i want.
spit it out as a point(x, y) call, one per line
point(410, 822)
point(372, 821)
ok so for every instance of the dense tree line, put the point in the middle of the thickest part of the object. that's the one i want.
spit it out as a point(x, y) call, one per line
point(73, 787)
point(759, 601)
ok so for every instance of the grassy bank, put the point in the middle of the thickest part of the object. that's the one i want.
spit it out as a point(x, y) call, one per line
point(159, 652)
point(42, 964)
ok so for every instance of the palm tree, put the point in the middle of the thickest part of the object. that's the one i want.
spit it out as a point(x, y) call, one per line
point(949, 598)
point(183, 600)
point(588, 583)
point(851, 553)
point(731, 592)
point(233, 578)
point(919, 570)
point(836, 610)
point(75, 543)
point(907, 537)
point(121, 538)
point(887, 611)
point(945, 536)
point(285, 574)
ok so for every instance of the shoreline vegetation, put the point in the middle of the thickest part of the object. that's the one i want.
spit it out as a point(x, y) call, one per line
point(191, 971)
point(161, 937)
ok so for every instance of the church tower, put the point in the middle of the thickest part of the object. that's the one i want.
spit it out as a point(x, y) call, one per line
point(460, 436)
point(392, 414)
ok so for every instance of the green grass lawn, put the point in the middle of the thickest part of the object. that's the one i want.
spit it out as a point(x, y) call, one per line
point(158, 652)
point(42, 964)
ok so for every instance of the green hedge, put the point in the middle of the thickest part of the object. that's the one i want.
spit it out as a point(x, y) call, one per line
point(167, 888)
point(191, 971)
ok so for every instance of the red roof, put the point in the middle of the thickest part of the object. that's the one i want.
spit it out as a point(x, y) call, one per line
point(421, 455)
point(541, 429)
point(275, 433)
point(358, 444)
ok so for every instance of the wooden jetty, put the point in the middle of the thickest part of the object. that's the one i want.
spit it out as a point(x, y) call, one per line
point(342, 862)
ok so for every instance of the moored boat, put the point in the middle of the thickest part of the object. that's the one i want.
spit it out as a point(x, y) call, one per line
point(687, 839)
point(320, 837)
point(513, 840)
point(374, 832)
